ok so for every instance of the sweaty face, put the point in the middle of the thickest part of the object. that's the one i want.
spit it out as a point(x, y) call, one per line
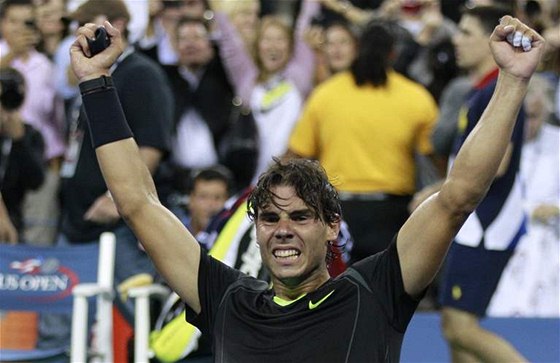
point(471, 43)
point(193, 45)
point(340, 48)
point(206, 199)
point(274, 48)
point(293, 242)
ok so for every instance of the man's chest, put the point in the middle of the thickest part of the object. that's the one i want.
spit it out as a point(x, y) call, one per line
point(332, 324)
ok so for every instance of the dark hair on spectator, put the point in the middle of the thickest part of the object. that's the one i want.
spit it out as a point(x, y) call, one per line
point(112, 9)
point(374, 54)
point(5, 4)
point(350, 28)
point(214, 173)
point(193, 20)
point(310, 183)
point(489, 16)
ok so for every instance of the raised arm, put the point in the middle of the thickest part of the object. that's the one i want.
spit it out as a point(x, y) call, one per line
point(171, 247)
point(301, 67)
point(238, 62)
point(423, 241)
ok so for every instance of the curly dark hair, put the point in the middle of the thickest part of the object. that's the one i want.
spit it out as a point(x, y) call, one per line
point(310, 183)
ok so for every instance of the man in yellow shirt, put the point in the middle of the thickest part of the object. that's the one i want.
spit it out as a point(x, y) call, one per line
point(365, 126)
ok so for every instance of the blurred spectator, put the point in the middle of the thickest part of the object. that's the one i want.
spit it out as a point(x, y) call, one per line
point(336, 47)
point(529, 286)
point(204, 101)
point(423, 48)
point(429, 28)
point(40, 109)
point(341, 46)
point(274, 85)
point(138, 16)
point(209, 190)
point(452, 99)
point(21, 148)
point(485, 243)
point(20, 36)
point(361, 112)
point(159, 39)
point(52, 25)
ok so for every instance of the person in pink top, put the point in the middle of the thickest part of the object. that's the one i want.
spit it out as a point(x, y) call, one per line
point(41, 109)
point(276, 81)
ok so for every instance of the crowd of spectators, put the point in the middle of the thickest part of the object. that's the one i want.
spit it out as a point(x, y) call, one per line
point(215, 89)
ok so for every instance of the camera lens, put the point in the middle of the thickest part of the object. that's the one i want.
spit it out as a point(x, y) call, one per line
point(12, 91)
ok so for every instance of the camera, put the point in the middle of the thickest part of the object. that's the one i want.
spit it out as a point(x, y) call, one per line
point(100, 41)
point(12, 89)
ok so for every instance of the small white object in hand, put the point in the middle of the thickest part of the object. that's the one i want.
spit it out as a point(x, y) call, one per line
point(518, 40)
point(526, 43)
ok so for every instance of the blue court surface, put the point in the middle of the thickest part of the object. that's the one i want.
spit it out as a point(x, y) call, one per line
point(537, 339)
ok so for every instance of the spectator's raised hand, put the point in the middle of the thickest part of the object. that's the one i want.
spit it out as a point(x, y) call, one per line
point(103, 211)
point(516, 48)
point(154, 8)
point(86, 67)
point(8, 232)
point(431, 15)
point(24, 41)
point(314, 36)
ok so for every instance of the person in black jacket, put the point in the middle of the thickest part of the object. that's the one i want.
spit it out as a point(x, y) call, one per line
point(22, 166)
point(204, 101)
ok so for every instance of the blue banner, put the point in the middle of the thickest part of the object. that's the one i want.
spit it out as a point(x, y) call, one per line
point(42, 278)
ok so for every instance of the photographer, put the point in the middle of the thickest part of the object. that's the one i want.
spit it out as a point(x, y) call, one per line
point(41, 109)
point(21, 152)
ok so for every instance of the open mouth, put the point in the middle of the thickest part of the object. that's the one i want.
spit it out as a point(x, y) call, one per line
point(286, 254)
point(273, 56)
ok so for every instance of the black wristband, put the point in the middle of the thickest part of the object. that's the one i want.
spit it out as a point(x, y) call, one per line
point(96, 85)
point(105, 116)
